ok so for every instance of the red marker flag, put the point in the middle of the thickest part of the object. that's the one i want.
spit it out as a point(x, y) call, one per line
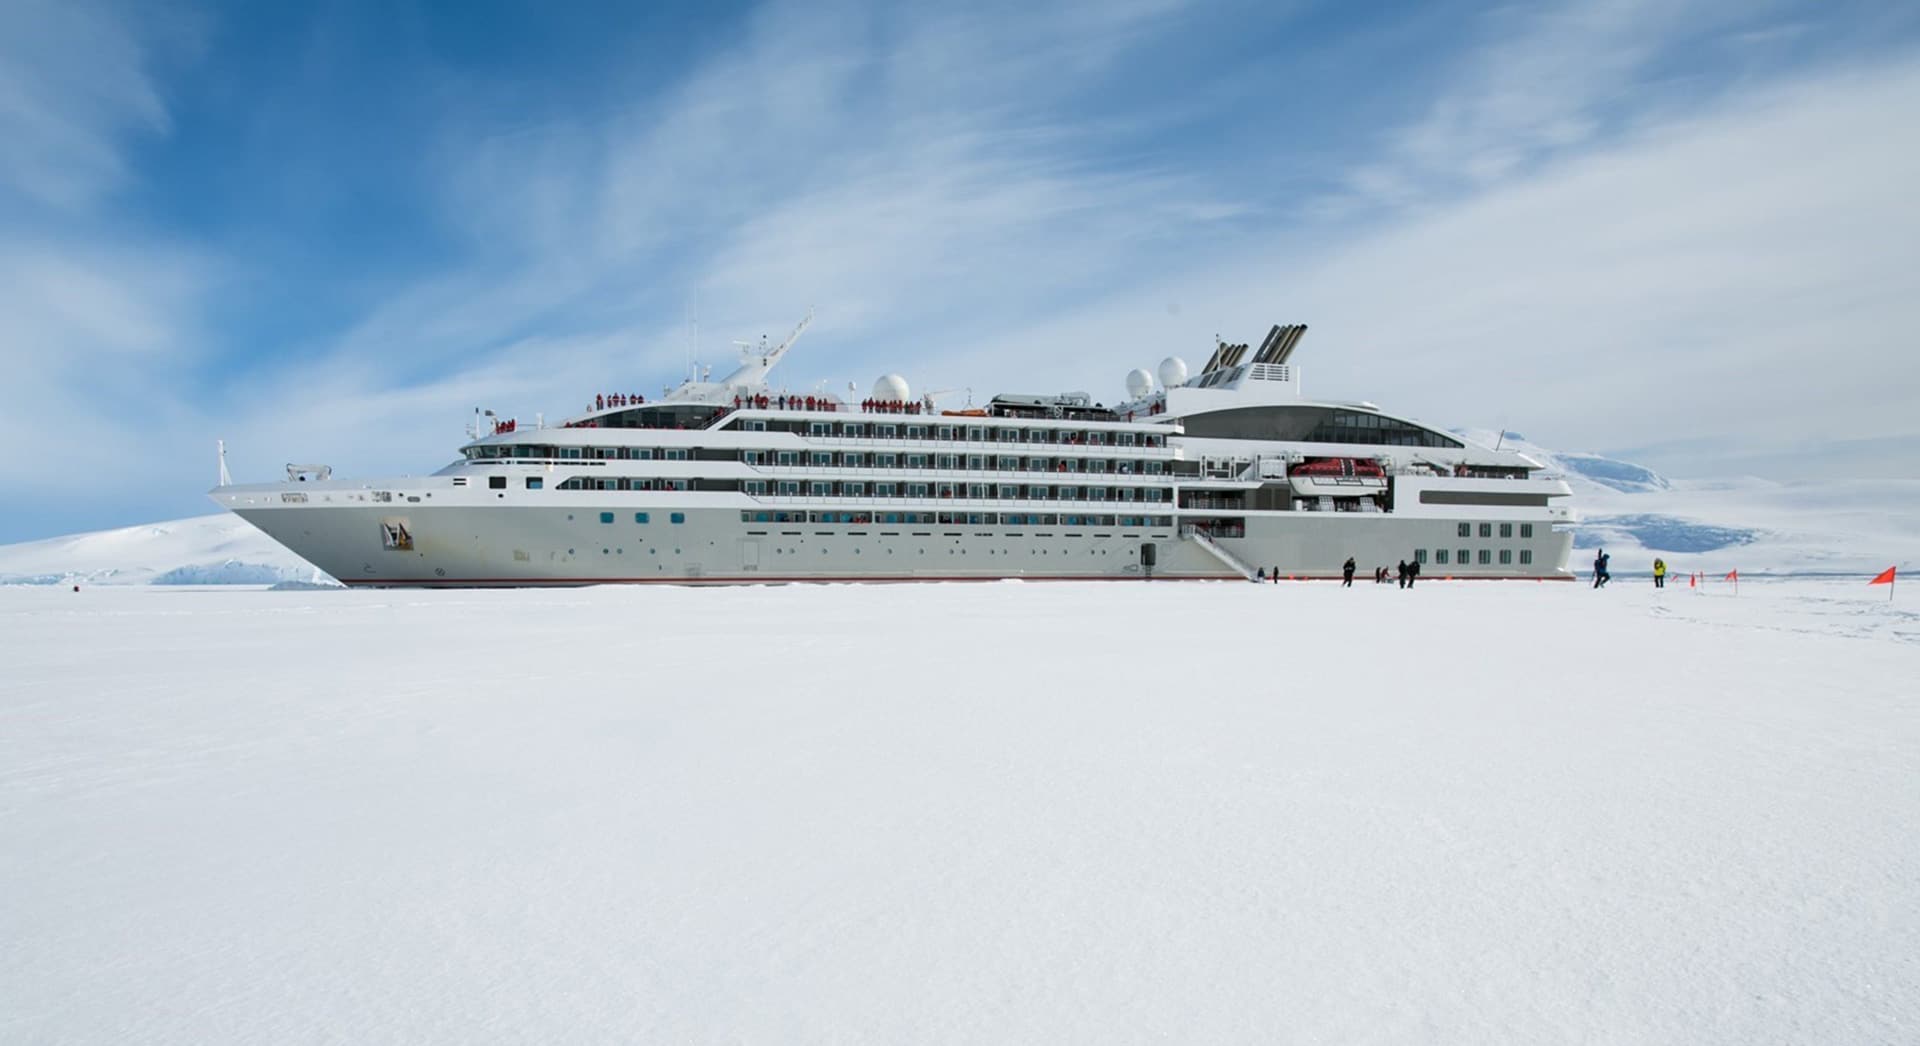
point(1733, 575)
point(1885, 578)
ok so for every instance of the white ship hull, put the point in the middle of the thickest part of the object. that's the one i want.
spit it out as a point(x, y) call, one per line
point(480, 545)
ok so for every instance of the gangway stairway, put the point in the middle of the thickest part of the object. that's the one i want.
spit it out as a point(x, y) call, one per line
point(1205, 540)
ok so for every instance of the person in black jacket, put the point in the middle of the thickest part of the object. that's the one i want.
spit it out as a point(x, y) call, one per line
point(1346, 574)
point(1413, 572)
point(1403, 574)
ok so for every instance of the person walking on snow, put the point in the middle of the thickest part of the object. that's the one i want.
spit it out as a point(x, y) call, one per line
point(1346, 574)
point(1402, 575)
point(1413, 572)
point(1600, 576)
point(1659, 573)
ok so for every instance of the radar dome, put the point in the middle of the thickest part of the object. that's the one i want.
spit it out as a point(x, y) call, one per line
point(892, 387)
point(1173, 371)
point(1139, 384)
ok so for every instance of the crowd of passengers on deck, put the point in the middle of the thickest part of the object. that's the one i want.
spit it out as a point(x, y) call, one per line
point(783, 402)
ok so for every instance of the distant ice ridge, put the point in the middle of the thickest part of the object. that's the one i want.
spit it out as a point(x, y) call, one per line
point(1755, 525)
point(220, 549)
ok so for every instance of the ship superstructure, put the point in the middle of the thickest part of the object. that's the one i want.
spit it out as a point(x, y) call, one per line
point(1227, 473)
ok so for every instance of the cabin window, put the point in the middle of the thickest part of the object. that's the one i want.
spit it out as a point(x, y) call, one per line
point(1466, 530)
point(677, 517)
point(1486, 531)
point(1486, 556)
point(821, 490)
point(916, 461)
point(1506, 556)
point(1526, 530)
point(1526, 555)
point(1009, 491)
point(820, 428)
point(851, 461)
point(641, 517)
point(606, 517)
point(1464, 558)
point(676, 455)
point(787, 457)
point(1506, 530)
point(1440, 556)
point(1420, 555)
point(945, 432)
point(822, 458)
point(535, 482)
point(916, 490)
point(497, 482)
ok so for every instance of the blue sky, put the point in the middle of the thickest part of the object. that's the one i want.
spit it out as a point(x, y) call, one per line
point(326, 232)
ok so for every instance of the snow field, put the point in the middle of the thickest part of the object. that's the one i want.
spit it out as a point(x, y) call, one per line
point(996, 813)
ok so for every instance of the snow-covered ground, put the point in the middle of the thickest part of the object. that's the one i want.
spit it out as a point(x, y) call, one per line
point(948, 813)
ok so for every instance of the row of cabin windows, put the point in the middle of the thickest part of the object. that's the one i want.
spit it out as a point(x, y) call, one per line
point(1486, 530)
point(958, 519)
point(644, 517)
point(951, 433)
point(970, 462)
point(626, 483)
point(827, 489)
point(976, 491)
point(1466, 556)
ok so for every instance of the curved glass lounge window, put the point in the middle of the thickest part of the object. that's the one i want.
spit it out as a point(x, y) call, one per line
point(1309, 423)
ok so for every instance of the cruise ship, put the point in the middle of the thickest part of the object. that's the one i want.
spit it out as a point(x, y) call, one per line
point(1227, 473)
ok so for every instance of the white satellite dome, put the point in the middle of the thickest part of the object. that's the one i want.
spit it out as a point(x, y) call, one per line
point(892, 387)
point(1139, 384)
point(1173, 371)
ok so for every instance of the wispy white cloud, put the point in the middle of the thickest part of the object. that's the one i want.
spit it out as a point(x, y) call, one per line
point(1739, 272)
point(75, 77)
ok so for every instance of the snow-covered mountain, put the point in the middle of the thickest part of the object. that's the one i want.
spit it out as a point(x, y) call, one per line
point(1746, 523)
point(221, 549)
point(1754, 525)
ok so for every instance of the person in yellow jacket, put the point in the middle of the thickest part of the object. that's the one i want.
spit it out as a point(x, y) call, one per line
point(1659, 573)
